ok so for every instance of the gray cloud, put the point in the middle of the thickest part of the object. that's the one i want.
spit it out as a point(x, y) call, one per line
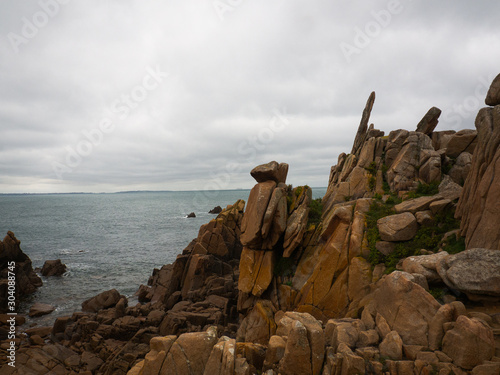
point(214, 117)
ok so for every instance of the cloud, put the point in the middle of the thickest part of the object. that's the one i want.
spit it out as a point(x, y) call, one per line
point(214, 117)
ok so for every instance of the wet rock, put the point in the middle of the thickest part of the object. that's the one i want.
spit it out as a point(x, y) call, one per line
point(40, 309)
point(190, 215)
point(53, 268)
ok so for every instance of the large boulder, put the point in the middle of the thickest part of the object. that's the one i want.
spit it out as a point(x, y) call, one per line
point(53, 268)
point(469, 343)
point(462, 141)
point(39, 309)
point(475, 272)
point(415, 307)
point(400, 227)
point(425, 265)
point(429, 121)
point(271, 171)
point(479, 206)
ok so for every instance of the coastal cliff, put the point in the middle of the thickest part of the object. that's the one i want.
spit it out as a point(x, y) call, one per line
point(395, 270)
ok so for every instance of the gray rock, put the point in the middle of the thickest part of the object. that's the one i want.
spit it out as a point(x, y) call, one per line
point(493, 95)
point(475, 272)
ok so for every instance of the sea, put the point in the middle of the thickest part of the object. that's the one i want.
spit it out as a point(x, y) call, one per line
point(111, 240)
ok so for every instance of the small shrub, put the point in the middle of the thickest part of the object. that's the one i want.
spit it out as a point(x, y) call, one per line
point(454, 246)
point(372, 168)
point(315, 211)
point(284, 267)
point(372, 181)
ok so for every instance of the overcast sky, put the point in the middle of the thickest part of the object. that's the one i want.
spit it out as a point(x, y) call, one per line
point(108, 95)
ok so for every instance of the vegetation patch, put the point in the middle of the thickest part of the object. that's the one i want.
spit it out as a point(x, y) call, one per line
point(424, 189)
point(315, 212)
point(284, 267)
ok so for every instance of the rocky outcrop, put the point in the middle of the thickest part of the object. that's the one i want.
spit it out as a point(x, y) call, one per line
point(429, 121)
point(493, 95)
point(53, 268)
point(15, 261)
point(479, 206)
point(216, 210)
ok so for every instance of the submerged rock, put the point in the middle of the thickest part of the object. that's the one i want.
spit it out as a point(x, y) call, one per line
point(53, 268)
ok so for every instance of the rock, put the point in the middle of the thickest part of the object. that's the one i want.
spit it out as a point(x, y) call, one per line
point(271, 171)
point(26, 279)
point(446, 313)
point(417, 204)
point(275, 352)
point(415, 310)
point(449, 189)
point(39, 309)
point(439, 206)
point(487, 368)
point(363, 125)
point(392, 346)
point(215, 210)
point(425, 265)
point(462, 141)
point(53, 268)
point(251, 225)
point(461, 168)
point(103, 300)
point(440, 139)
point(429, 121)
point(479, 206)
point(297, 224)
point(192, 214)
point(385, 247)
point(222, 358)
point(400, 227)
point(475, 272)
point(424, 217)
point(256, 271)
point(493, 95)
point(343, 331)
point(304, 351)
point(367, 338)
point(469, 343)
point(258, 326)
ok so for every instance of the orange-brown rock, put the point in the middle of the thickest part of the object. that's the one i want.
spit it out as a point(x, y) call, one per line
point(479, 206)
point(493, 95)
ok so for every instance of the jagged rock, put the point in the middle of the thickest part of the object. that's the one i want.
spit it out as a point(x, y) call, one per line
point(187, 354)
point(462, 141)
point(461, 168)
point(469, 343)
point(416, 307)
point(475, 272)
point(275, 219)
point(446, 313)
point(343, 331)
point(103, 300)
point(493, 95)
point(222, 358)
point(304, 351)
point(215, 210)
point(251, 225)
point(394, 145)
point(405, 168)
point(439, 206)
point(425, 265)
point(440, 139)
point(363, 125)
point(258, 326)
point(429, 121)
point(256, 271)
point(39, 309)
point(430, 167)
point(400, 227)
point(271, 171)
point(192, 214)
point(53, 268)
point(424, 217)
point(275, 352)
point(392, 346)
point(26, 279)
point(449, 189)
point(295, 228)
point(479, 206)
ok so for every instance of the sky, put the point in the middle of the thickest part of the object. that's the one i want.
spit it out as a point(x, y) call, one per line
point(109, 95)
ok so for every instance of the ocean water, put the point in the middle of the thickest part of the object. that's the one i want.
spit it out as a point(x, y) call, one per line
point(106, 240)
